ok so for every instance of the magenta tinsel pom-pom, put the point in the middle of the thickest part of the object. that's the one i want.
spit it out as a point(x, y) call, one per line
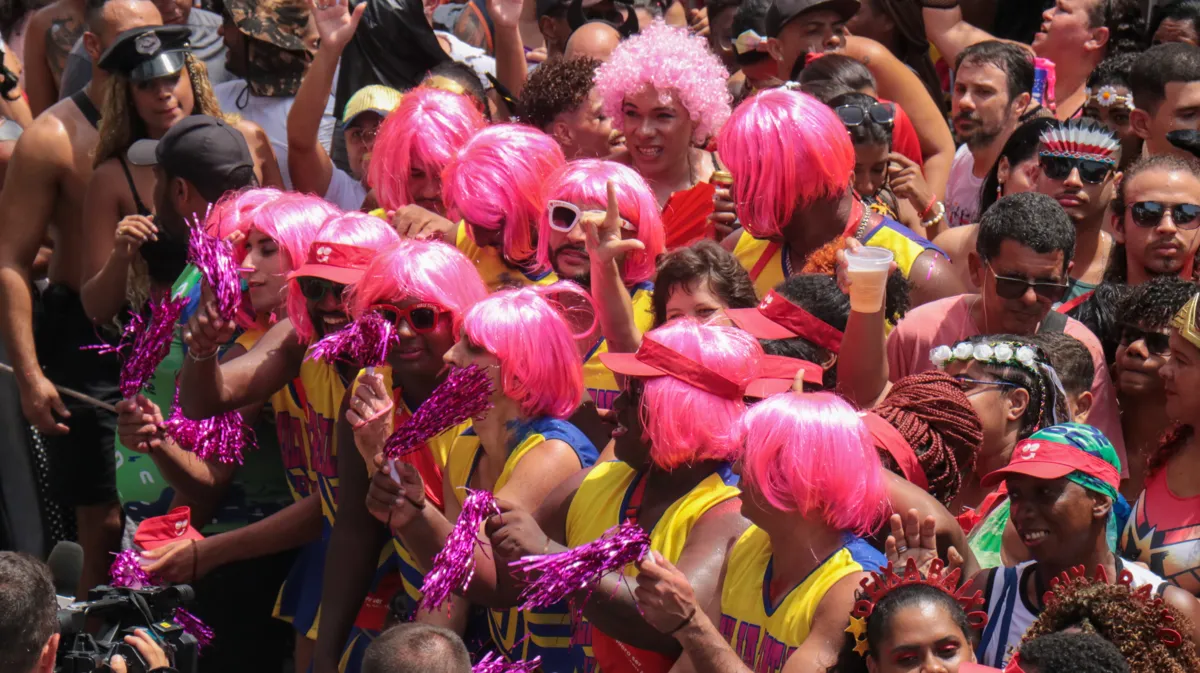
point(554, 577)
point(214, 258)
point(465, 394)
point(145, 343)
point(364, 342)
point(192, 626)
point(127, 572)
point(494, 663)
point(454, 565)
point(221, 438)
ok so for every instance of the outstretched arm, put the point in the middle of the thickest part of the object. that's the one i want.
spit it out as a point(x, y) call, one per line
point(946, 29)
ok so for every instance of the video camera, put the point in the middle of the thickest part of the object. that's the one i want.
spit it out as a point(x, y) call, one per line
point(119, 612)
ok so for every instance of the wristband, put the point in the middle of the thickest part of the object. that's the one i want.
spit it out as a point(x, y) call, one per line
point(937, 218)
point(687, 620)
point(929, 208)
point(202, 358)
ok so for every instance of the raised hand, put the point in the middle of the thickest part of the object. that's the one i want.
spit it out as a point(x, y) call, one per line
point(908, 182)
point(505, 13)
point(132, 232)
point(370, 416)
point(335, 21)
point(604, 238)
point(206, 331)
point(397, 493)
point(913, 539)
point(663, 594)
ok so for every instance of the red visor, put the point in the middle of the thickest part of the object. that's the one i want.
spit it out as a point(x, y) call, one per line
point(778, 318)
point(1050, 460)
point(889, 439)
point(778, 374)
point(159, 531)
point(338, 262)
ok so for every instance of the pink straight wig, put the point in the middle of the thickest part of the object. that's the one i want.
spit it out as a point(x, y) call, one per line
point(425, 271)
point(785, 150)
point(671, 60)
point(290, 219)
point(687, 425)
point(584, 182)
point(424, 132)
point(352, 228)
point(497, 181)
point(812, 454)
point(540, 365)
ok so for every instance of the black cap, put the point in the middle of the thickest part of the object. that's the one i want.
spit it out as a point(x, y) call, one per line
point(148, 52)
point(203, 150)
point(782, 12)
point(1188, 141)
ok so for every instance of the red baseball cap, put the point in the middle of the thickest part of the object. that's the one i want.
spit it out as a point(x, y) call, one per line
point(337, 262)
point(776, 317)
point(1043, 459)
point(162, 530)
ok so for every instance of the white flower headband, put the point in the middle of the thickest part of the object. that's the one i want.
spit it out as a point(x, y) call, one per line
point(998, 353)
point(1107, 96)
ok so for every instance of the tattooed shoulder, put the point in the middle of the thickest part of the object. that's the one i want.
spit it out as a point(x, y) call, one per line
point(61, 37)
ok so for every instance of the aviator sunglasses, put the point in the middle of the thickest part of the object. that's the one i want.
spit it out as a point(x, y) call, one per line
point(1149, 214)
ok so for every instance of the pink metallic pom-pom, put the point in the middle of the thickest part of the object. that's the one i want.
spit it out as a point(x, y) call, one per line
point(364, 342)
point(554, 577)
point(494, 663)
point(221, 438)
point(192, 626)
point(214, 258)
point(127, 572)
point(145, 343)
point(454, 565)
point(465, 394)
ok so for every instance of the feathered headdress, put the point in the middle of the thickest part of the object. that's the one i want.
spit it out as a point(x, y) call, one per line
point(1080, 139)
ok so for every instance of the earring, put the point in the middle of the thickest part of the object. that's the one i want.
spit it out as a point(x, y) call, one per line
point(999, 190)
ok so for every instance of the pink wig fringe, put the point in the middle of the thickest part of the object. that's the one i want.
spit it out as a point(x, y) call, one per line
point(425, 271)
point(812, 454)
point(352, 228)
point(672, 61)
point(687, 425)
point(540, 365)
point(584, 182)
point(425, 131)
point(497, 182)
point(785, 150)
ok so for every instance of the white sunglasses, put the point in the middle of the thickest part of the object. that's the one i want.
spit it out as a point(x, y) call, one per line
point(564, 216)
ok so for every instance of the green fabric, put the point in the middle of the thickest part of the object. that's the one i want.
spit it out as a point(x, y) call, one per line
point(987, 540)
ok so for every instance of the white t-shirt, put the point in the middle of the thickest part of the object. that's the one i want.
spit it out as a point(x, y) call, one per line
point(962, 189)
point(344, 191)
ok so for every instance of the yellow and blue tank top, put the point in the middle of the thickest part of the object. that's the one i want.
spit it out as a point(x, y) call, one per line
point(599, 381)
point(321, 397)
point(603, 500)
point(767, 261)
point(517, 634)
point(496, 273)
point(764, 634)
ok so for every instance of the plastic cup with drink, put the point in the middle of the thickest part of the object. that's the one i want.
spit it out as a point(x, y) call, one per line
point(867, 269)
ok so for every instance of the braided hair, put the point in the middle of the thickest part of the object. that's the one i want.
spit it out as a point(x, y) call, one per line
point(1047, 403)
point(938, 422)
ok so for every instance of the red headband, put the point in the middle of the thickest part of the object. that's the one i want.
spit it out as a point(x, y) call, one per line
point(679, 366)
point(888, 438)
point(778, 309)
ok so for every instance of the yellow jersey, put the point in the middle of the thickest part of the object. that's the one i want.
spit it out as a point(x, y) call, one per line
point(496, 273)
point(606, 498)
point(764, 634)
point(521, 635)
point(321, 398)
point(599, 381)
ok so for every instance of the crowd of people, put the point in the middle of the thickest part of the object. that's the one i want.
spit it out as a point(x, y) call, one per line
point(900, 294)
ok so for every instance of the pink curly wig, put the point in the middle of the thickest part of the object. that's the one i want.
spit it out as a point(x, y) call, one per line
point(672, 409)
point(584, 182)
point(672, 61)
point(425, 131)
point(425, 271)
point(352, 228)
point(785, 150)
point(497, 181)
point(540, 365)
point(812, 454)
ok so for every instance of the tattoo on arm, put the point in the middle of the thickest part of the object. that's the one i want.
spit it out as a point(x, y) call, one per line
point(61, 37)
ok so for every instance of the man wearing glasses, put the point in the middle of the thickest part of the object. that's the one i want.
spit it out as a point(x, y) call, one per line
point(1021, 264)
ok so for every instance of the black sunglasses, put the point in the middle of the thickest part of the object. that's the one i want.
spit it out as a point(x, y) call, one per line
point(314, 289)
point(1157, 343)
point(1059, 168)
point(855, 115)
point(1015, 288)
point(1150, 214)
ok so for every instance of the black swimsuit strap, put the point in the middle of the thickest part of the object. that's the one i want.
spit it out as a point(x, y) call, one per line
point(137, 200)
point(85, 105)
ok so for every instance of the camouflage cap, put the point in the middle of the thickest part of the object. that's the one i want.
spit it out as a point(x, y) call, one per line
point(282, 23)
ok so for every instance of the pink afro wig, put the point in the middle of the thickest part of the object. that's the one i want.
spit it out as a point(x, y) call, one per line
point(785, 150)
point(540, 365)
point(812, 454)
point(425, 271)
point(424, 132)
point(496, 182)
point(352, 228)
point(672, 61)
point(584, 182)
point(672, 409)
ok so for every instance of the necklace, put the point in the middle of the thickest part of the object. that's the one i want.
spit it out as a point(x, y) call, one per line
point(859, 232)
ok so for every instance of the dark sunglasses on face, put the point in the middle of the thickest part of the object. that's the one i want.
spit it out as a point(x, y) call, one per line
point(315, 289)
point(1015, 288)
point(855, 115)
point(1157, 343)
point(1059, 168)
point(422, 318)
point(1151, 213)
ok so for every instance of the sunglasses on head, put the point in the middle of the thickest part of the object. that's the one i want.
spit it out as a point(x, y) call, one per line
point(564, 216)
point(856, 115)
point(422, 318)
point(1091, 171)
point(1156, 342)
point(314, 289)
point(1009, 287)
point(1151, 213)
